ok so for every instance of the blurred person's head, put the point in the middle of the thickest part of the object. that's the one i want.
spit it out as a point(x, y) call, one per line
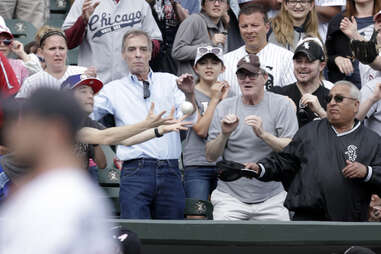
point(9, 114)
point(208, 64)
point(254, 26)
point(309, 61)
point(32, 47)
point(295, 13)
point(6, 38)
point(54, 49)
point(343, 103)
point(49, 122)
point(251, 77)
point(84, 89)
point(351, 7)
point(272, 4)
point(215, 9)
point(136, 51)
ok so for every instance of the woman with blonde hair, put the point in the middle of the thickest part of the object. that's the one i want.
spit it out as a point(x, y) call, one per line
point(295, 19)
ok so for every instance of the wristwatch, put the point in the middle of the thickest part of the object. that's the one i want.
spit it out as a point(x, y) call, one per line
point(157, 134)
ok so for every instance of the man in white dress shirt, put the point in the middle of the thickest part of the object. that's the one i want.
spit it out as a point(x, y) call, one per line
point(151, 186)
point(254, 25)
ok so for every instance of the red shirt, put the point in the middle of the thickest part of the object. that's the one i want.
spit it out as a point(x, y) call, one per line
point(8, 81)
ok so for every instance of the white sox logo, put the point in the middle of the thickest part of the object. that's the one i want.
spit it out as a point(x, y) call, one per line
point(351, 153)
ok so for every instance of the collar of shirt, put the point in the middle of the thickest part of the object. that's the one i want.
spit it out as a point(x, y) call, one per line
point(135, 79)
point(211, 25)
point(355, 127)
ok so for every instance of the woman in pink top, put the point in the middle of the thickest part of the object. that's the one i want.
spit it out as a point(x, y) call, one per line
point(7, 45)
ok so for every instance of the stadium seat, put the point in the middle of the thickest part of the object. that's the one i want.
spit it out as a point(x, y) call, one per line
point(55, 22)
point(59, 6)
point(110, 176)
point(113, 194)
point(23, 31)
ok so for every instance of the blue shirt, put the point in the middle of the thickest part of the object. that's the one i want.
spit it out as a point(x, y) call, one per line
point(123, 98)
point(193, 6)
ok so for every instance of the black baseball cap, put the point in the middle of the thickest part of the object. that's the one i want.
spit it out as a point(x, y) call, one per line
point(359, 250)
point(311, 48)
point(49, 103)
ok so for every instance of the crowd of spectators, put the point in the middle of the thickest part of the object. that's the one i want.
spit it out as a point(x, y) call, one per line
point(179, 85)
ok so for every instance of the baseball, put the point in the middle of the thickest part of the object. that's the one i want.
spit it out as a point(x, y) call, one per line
point(187, 107)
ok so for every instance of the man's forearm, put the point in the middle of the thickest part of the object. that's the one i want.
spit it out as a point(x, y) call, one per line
point(277, 144)
point(141, 137)
point(376, 64)
point(100, 157)
point(364, 108)
point(216, 147)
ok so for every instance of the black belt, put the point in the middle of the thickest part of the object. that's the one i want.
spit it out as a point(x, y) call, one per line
point(153, 161)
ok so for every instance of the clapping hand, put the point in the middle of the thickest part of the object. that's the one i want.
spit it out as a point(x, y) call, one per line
point(256, 123)
point(88, 9)
point(229, 123)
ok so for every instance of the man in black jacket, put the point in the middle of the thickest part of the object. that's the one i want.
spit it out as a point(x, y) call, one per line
point(332, 166)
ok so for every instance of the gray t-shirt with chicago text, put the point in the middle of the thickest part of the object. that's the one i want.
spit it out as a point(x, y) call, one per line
point(278, 117)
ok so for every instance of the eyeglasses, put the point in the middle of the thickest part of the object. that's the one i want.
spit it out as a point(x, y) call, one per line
point(213, 50)
point(6, 42)
point(337, 98)
point(295, 2)
point(146, 91)
point(251, 75)
point(220, 1)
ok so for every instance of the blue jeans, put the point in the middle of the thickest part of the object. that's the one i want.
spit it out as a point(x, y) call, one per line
point(200, 181)
point(151, 189)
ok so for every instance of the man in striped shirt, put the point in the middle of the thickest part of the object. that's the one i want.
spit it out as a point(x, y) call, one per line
point(254, 25)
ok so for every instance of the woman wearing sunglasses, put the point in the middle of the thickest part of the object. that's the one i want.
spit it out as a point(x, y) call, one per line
point(200, 177)
point(53, 46)
point(7, 45)
point(296, 18)
point(340, 59)
point(207, 27)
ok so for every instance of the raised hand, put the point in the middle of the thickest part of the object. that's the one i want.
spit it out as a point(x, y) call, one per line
point(313, 103)
point(256, 123)
point(18, 48)
point(91, 71)
point(185, 84)
point(157, 120)
point(88, 9)
point(345, 65)
point(349, 27)
point(218, 39)
point(354, 170)
point(229, 123)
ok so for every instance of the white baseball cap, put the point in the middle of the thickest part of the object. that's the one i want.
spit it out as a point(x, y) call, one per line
point(4, 28)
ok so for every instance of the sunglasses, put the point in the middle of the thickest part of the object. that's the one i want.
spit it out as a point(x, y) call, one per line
point(213, 50)
point(251, 75)
point(146, 91)
point(6, 42)
point(337, 98)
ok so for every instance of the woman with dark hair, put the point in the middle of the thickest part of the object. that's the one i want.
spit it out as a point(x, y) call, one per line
point(340, 59)
point(207, 27)
point(295, 19)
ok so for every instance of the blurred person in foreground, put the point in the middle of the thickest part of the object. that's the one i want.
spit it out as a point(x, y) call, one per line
point(56, 209)
point(332, 166)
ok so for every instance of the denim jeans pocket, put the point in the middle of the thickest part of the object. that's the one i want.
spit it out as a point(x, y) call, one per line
point(131, 169)
point(174, 171)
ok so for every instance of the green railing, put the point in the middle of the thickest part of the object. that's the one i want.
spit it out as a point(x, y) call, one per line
point(198, 237)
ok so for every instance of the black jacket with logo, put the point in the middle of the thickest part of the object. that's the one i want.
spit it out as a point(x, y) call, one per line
point(310, 168)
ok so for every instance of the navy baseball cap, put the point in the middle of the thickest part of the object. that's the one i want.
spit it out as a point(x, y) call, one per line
point(74, 81)
point(312, 48)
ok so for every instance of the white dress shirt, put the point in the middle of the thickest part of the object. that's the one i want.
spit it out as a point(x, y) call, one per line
point(123, 98)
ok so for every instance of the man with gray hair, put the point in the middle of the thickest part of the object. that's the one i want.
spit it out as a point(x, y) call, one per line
point(150, 184)
point(332, 166)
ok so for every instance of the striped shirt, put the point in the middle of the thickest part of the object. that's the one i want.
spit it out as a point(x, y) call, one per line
point(276, 60)
point(44, 79)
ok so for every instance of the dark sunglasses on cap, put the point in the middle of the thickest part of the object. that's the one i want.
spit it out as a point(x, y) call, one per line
point(213, 50)
point(6, 42)
point(338, 98)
